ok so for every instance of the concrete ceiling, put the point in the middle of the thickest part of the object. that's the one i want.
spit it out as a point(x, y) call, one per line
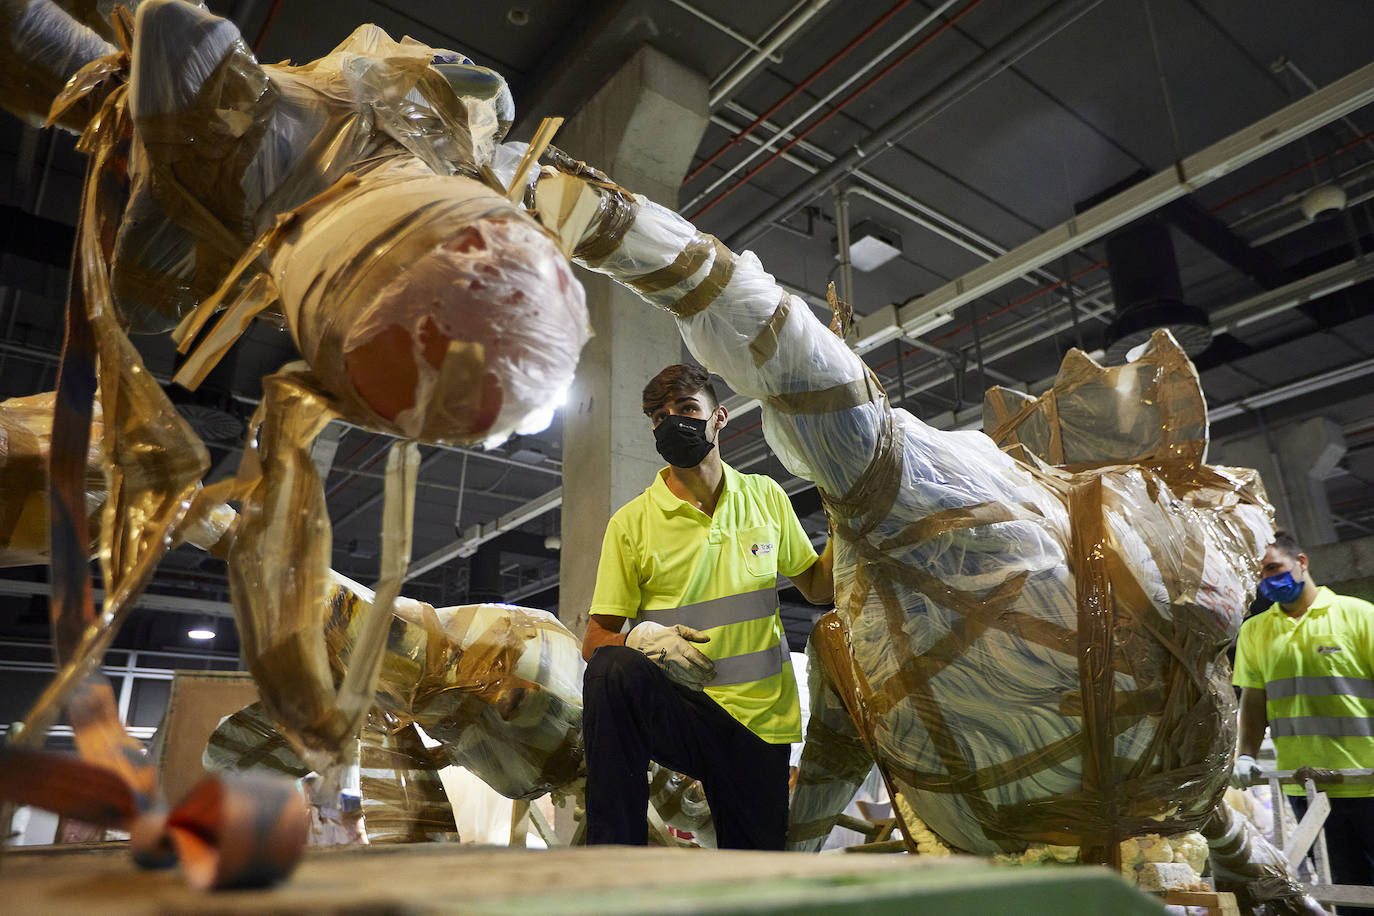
point(1129, 86)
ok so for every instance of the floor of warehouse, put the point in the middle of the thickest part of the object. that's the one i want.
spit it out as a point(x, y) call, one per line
point(429, 878)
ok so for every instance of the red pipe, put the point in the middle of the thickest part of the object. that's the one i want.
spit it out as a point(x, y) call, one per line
point(948, 23)
point(266, 24)
point(839, 55)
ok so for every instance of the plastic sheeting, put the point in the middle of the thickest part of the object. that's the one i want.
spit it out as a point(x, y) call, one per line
point(53, 48)
point(432, 307)
point(224, 144)
point(25, 440)
point(1036, 653)
point(499, 686)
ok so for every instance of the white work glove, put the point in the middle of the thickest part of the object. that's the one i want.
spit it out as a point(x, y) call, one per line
point(1246, 771)
point(671, 649)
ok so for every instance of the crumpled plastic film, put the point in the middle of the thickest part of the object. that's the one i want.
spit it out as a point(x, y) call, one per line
point(1246, 864)
point(25, 438)
point(499, 686)
point(224, 144)
point(1029, 674)
point(1149, 410)
point(43, 48)
point(835, 760)
point(403, 800)
point(681, 801)
point(432, 306)
point(403, 797)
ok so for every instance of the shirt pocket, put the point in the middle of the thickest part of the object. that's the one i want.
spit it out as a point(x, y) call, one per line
point(758, 549)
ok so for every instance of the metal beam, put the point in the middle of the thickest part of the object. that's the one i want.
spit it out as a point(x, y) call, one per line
point(1020, 42)
point(1241, 148)
point(477, 535)
point(155, 602)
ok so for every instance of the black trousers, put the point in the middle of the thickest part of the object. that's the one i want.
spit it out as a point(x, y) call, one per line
point(633, 713)
point(1349, 840)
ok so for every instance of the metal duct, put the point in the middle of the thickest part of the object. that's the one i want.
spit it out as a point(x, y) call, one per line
point(1148, 292)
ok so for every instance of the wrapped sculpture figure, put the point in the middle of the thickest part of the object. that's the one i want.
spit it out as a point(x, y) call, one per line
point(1031, 625)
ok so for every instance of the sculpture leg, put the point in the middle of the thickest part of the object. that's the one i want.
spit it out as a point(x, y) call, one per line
point(1245, 863)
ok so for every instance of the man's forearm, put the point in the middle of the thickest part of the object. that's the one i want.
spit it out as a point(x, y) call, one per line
point(600, 634)
point(817, 582)
point(1253, 720)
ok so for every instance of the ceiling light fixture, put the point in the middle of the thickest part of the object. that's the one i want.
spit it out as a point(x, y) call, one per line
point(871, 245)
point(202, 631)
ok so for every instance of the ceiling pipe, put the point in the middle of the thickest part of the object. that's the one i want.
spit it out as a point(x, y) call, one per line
point(1240, 148)
point(797, 90)
point(727, 30)
point(1296, 389)
point(905, 206)
point(175, 603)
point(843, 104)
point(792, 28)
point(996, 59)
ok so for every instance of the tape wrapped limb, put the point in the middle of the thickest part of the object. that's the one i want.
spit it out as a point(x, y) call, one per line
point(1035, 620)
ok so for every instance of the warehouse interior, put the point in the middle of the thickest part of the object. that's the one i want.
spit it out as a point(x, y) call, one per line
point(908, 152)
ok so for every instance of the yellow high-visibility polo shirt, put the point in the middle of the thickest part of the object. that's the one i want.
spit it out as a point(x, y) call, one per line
point(669, 562)
point(1317, 673)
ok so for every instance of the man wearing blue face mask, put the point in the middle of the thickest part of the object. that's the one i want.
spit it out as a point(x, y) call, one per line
point(702, 683)
point(1305, 668)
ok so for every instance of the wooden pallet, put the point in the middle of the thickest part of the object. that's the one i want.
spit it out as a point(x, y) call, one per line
point(1218, 903)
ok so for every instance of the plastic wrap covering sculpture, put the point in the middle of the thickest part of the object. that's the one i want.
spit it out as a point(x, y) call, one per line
point(212, 183)
point(1032, 652)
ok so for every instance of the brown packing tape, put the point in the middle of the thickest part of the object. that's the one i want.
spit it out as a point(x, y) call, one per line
point(765, 344)
point(618, 210)
point(279, 572)
point(829, 400)
point(836, 658)
point(958, 519)
point(1095, 663)
point(708, 290)
point(841, 313)
point(686, 264)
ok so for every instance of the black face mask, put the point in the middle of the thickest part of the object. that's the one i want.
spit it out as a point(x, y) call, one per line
point(682, 441)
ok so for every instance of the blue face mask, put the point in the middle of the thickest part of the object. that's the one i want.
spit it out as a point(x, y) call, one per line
point(1281, 589)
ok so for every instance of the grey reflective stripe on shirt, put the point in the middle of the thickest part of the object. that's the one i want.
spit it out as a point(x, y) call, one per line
point(1334, 686)
point(1321, 726)
point(719, 612)
point(752, 666)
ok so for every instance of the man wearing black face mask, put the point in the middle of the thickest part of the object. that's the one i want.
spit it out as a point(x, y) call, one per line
point(702, 683)
point(1306, 671)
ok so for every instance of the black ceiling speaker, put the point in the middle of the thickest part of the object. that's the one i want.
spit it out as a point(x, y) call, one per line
point(211, 410)
point(1148, 292)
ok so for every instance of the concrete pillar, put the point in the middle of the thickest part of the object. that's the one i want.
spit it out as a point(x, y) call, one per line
point(1347, 567)
point(641, 129)
point(1294, 461)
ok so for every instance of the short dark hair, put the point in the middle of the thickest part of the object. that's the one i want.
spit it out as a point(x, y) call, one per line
point(675, 382)
point(1286, 544)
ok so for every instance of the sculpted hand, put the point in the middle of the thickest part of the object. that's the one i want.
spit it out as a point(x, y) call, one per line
point(671, 649)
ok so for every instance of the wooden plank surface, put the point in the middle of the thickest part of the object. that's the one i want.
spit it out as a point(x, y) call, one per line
point(443, 878)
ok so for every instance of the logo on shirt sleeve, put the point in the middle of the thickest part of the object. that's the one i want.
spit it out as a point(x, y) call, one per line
point(760, 550)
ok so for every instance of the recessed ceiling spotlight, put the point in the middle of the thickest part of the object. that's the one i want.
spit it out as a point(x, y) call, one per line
point(201, 631)
point(518, 16)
